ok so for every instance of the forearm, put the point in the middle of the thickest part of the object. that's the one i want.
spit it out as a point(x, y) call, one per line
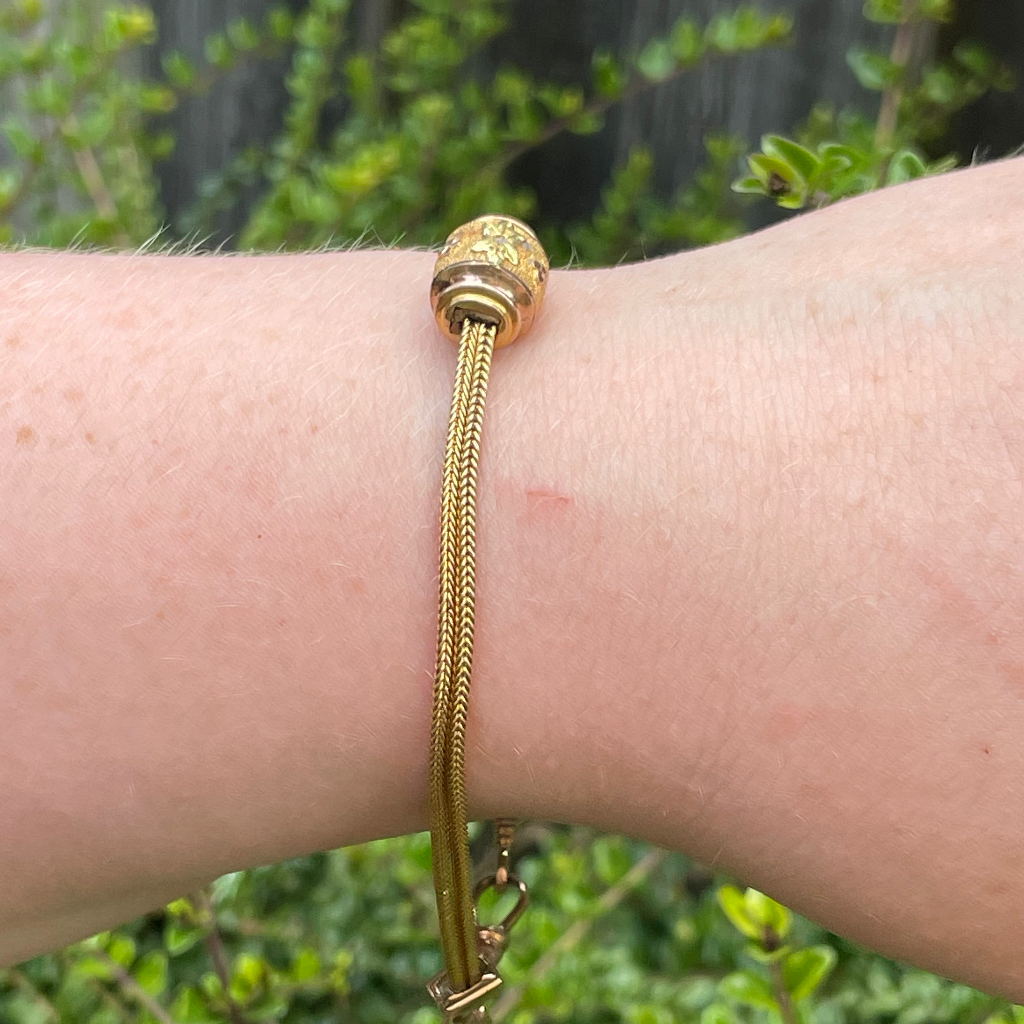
point(749, 568)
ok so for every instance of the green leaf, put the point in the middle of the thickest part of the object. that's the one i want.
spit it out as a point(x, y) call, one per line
point(935, 10)
point(360, 75)
point(804, 970)
point(23, 141)
point(179, 69)
point(718, 1013)
point(121, 950)
point(611, 859)
point(151, 972)
point(687, 41)
point(732, 901)
point(587, 123)
point(942, 87)
point(648, 1013)
point(778, 179)
point(749, 186)
point(975, 58)
point(93, 967)
point(749, 989)
point(888, 12)
point(156, 99)
point(608, 75)
point(771, 916)
point(190, 1008)
point(281, 24)
point(306, 965)
point(722, 34)
point(656, 61)
point(247, 976)
point(801, 159)
point(840, 157)
point(873, 70)
point(242, 35)
point(218, 51)
point(178, 938)
point(905, 165)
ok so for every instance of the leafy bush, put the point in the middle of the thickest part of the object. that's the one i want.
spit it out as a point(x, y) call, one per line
point(617, 931)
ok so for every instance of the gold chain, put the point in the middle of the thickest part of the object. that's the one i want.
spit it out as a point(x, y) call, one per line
point(488, 283)
point(456, 607)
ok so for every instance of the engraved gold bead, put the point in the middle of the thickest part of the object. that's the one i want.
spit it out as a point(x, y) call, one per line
point(491, 269)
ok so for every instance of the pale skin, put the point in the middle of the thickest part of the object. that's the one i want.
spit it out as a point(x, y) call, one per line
point(750, 568)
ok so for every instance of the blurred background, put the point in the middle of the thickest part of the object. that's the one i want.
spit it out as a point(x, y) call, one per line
point(616, 127)
point(620, 130)
point(769, 90)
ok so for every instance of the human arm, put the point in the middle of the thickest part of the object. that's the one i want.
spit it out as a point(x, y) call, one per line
point(749, 581)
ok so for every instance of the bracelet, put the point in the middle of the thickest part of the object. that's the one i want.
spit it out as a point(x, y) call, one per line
point(488, 284)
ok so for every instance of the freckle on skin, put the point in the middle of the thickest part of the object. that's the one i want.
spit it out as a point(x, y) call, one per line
point(26, 434)
point(314, 428)
point(74, 394)
point(12, 341)
point(90, 437)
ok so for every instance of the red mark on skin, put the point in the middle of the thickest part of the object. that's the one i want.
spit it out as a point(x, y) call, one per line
point(955, 608)
point(26, 435)
point(539, 499)
point(1013, 672)
point(127, 319)
point(786, 721)
point(955, 613)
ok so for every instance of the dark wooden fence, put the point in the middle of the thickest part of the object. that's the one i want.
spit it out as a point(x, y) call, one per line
point(770, 91)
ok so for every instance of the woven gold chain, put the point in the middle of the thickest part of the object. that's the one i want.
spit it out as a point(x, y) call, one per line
point(488, 283)
point(449, 837)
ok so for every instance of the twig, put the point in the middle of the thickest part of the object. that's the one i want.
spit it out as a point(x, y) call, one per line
point(786, 1008)
point(608, 901)
point(902, 48)
point(135, 990)
point(637, 85)
point(33, 993)
point(218, 954)
point(108, 997)
point(92, 177)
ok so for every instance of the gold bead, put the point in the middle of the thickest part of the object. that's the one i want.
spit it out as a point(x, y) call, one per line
point(491, 269)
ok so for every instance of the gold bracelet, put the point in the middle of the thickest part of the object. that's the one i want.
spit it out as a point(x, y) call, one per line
point(488, 285)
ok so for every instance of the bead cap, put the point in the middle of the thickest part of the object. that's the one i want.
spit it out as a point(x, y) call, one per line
point(492, 269)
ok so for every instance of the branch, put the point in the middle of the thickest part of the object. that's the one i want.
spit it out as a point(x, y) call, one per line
point(637, 84)
point(37, 997)
point(786, 1008)
point(135, 990)
point(903, 46)
point(218, 954)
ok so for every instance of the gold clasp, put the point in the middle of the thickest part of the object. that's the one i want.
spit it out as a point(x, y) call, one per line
point(491, 941)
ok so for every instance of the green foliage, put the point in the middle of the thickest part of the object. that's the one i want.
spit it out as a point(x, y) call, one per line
point(417, 146)
point(405, 143)
point(79, 129)
point(422, 147)
point(835, 156)
point(616, 932)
